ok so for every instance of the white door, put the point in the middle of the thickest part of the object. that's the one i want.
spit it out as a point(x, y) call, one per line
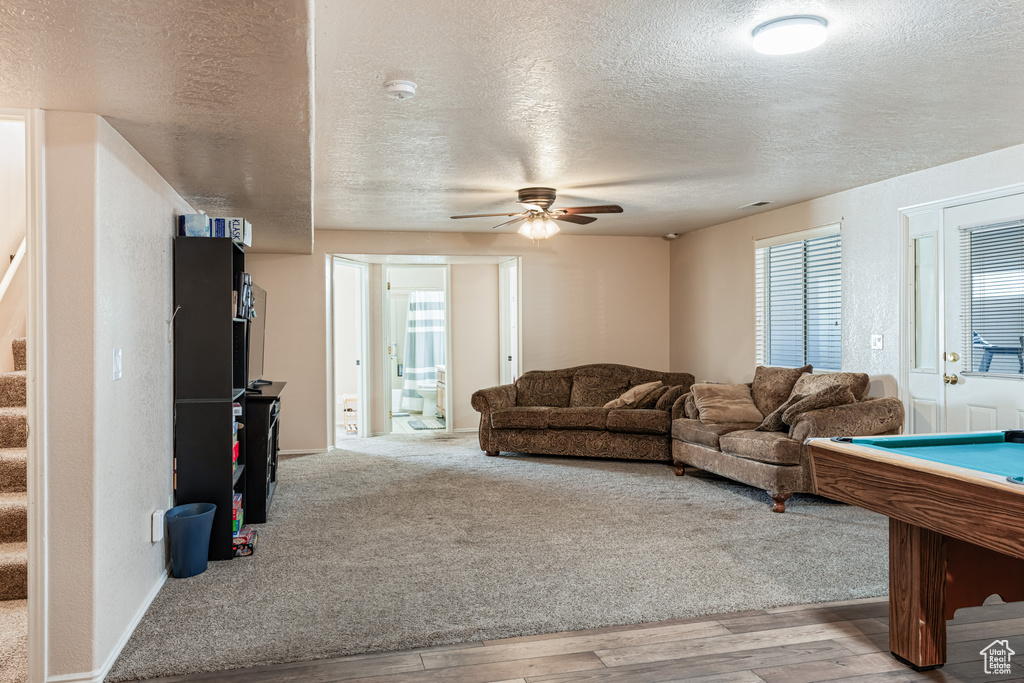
point(925, 390)
point(350, 337)
point(508, 320)
point(983, 290)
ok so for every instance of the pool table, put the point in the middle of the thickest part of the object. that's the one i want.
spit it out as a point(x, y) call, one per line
point(956, 523)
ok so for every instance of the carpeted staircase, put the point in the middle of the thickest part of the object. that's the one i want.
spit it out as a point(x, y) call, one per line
point(13, 519)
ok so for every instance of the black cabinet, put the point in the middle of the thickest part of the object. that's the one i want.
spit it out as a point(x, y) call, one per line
point(262, 426)
point(210, 359)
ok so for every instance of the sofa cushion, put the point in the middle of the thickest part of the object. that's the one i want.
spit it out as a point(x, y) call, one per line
point(577, 418)
point(651, 401)
point(772, 386)
point(690, 406)
point(833, 396)
point(669, 398)
point(696, 432)
point(857, 382)
point(669, 379)
point(530, 417)
point(720, 403)
point(773, 448)
point(633, 396)
point(596, 385)
point(543, 388)
point(773, 421)
point(634, 421)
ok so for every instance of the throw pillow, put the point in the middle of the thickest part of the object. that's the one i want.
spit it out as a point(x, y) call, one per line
point(857, 382)
point(652, 398)
point(772, 386)
point(773, 421)
point(827, 398)
point(718, 403)
point(690, 407)
point(669, 398)
point(633, 396)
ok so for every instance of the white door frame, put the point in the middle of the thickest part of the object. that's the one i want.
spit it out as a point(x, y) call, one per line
point(906, 300)
point(386, 334)
point(363, 400)
point(35, 314)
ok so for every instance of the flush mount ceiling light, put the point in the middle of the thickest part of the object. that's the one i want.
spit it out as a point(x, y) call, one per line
point(789, 35)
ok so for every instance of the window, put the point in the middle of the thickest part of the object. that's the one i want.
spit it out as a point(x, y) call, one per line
point(799, 299)
point(992, 263)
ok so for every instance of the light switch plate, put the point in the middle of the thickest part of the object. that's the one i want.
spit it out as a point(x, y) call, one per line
point(158, 526)
point(117, 364)
point(876, 341)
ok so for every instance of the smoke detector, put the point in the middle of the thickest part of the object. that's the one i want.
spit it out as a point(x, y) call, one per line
point(400, 90)
point(672, 235)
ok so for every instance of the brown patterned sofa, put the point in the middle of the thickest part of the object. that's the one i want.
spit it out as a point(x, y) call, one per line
point(777, 461)
point(561, 412)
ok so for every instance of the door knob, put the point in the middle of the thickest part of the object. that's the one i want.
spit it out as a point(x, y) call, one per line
point(950, 379)
point(952, 356)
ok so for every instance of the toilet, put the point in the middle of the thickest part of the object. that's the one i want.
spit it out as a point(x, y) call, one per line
point(428, 390)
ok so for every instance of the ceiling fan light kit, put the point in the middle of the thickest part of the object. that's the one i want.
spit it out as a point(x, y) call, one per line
point(789, 35)
point(540, 218)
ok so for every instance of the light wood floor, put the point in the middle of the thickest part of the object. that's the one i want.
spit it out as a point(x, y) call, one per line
point(835, 642)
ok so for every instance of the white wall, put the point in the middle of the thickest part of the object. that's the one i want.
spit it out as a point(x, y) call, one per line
point(585, 300)
point(109, 223)
point(12, 231)
point(712, 319)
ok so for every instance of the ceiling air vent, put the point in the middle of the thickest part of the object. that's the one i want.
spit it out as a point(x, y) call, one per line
point(754, 205)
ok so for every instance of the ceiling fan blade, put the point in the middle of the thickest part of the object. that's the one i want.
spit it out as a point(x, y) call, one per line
point(579, 220)
point(604, 208)
point(514, 220)
point(486, 215)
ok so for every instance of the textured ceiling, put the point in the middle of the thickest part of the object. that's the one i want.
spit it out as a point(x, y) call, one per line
point(658, 105)
point(215, 95)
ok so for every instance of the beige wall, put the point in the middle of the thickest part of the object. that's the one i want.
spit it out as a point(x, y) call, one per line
point(474, 312)
point(585, 300)
point(12, 231)
point(712, 320)
point(109, 222)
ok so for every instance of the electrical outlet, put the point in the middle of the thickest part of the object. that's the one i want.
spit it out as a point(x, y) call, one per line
point(158, 526)
point(876, 341)
point(117, 364)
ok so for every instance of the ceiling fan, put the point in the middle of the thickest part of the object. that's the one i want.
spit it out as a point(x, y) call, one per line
point(539, 218)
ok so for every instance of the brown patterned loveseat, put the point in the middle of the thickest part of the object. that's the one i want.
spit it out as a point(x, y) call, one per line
point(777, 461)
point(561, 412)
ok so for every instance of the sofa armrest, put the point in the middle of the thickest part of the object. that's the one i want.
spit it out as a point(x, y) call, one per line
point(869, 417)
point(494, 398)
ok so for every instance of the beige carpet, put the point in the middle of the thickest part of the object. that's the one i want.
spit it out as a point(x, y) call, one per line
point(14, 643)
point(406, 541)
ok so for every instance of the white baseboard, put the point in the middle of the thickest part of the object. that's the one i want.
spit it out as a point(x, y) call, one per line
point(303, 451)
point(466, 429)
point(99, 674)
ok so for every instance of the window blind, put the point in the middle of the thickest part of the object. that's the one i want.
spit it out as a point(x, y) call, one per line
point(798, 303)
point(992, 267)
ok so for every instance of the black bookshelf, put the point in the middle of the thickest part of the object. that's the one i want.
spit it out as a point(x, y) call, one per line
point(210, 366)
point(262, 444)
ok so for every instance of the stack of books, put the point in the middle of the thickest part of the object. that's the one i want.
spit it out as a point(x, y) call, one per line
point(236, 514)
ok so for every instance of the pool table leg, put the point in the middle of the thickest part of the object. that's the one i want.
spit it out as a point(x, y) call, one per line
point(917, 583)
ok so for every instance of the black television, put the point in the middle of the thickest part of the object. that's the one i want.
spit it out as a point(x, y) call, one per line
point(257, 337)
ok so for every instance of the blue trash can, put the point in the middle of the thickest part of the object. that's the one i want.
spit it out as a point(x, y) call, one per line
point(188, 530)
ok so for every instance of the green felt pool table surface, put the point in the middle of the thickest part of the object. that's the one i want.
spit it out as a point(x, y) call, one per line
point(1000, 453)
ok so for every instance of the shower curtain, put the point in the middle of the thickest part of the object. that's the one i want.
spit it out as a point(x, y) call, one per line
point(424, 344)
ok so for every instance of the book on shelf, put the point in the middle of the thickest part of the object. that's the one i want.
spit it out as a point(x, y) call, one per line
point(244, 542)
point(236, 514)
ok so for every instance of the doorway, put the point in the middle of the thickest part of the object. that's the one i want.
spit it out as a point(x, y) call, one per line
point(350, 304)
point(964, 357)
point(417, 339)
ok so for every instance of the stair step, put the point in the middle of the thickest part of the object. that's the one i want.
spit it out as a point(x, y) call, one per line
point(13, 427)
point(12, 388)
point(13, 516)
point(18, 347)
point(13, 469)
point(13, 571)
